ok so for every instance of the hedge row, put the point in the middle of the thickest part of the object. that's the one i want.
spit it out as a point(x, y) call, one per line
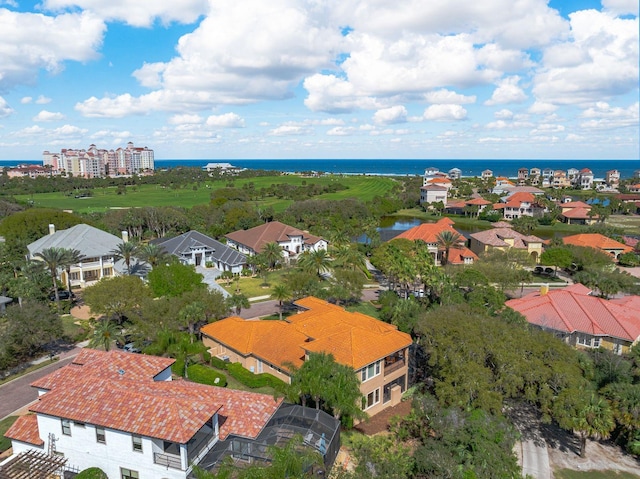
point(249, 379)
point(204, 375)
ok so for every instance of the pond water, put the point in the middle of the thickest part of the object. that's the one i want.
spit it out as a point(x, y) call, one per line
point(392, 226)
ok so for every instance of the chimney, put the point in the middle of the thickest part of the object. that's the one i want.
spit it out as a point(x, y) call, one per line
point(125, 236)
point(544, 289)
point(52, 228)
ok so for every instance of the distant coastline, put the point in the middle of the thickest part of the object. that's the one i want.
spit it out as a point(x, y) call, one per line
point(399, 167)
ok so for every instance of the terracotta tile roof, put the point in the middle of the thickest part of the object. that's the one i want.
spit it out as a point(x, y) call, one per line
point(431, 187)
point(256, 238)
point(127, 401)
point(496, 237)
point(478, 201)
point(579, 213)
point(354, 339)
point(446, 181)
point(107, 365)
point(501, 224)
point(458, 255)
point(456, 204)
point(571, 310)
point(428, 232)
point(574, 204)
point(596, 240)
point(25, 429)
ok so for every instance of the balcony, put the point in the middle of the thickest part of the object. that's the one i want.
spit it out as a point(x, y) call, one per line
point(393, 366)
point(168, 460)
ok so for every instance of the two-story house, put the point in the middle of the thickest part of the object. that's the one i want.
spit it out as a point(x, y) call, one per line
point(197, 249)
point(521, 204)
point(95, 246)
point(503, 237)
point(429, 232)
point(123, 413)
point(582, 320)
point(377, 351)
point(292, 240)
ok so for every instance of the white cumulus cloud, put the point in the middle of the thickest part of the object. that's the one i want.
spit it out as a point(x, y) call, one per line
point(33, 41)
point(388, 116)
point(508, 91)
point(445, 113)
point(449, 97)
point(45, 115)
point(5, 109)
point(227, 120)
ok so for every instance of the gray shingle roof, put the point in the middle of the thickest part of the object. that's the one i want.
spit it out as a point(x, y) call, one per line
point(183, 243)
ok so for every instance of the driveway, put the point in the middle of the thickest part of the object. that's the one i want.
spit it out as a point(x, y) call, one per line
point(210, 275)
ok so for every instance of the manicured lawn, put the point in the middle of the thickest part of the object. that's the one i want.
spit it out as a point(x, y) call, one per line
point(630, 223)
point(570, 474)
point(75, 332)
point(5, 424)
point(233, 383)
point(362, 187)
point(365, 307)
point(254, 287)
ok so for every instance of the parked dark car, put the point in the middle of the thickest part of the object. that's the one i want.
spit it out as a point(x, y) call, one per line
point(63, 295)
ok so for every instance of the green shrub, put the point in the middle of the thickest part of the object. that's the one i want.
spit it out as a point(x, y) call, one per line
point(204, 375)
point(206, 357)
point(218, 363)
point(178, 367)
point(92, 473)
point(253, 381)
point(629, 259)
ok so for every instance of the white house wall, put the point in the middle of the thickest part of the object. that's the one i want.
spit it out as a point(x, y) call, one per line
point(82, 450)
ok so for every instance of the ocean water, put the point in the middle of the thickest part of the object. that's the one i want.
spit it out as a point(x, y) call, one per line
point(507, 168)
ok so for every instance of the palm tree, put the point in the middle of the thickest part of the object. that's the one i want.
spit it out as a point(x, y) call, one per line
point(272, 253)
point(238, 301)
point(594, 420)
point(152, 254)
point(73, 256)
point(317, 261)
point(447, 240)
point(104, 333)
point(190, 315)
point(281, 293)
point(350, 257)
point(54, 259)
point(126, 251)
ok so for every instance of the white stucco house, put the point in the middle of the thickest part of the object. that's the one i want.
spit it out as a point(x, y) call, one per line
point(292, 240)
point(123, 413)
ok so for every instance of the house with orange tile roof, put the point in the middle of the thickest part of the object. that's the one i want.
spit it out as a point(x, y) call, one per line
point(123, 413)
point(521, 204)
point(577, 213)
point(428, 233)
point(503, 237)
point(598, 241)
point(292, 240)
point(377, 351)
point(582, 320)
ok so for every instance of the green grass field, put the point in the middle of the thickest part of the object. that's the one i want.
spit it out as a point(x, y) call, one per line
point(570, 474)
point(362, 187)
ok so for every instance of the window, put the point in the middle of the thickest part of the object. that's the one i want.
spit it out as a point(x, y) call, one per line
point(137, 443)
point(617, 348)
point(373, 398)
point(128, 474)
point(596, 342)
point(75, 276)
point(66, 427)
point(100, 437)
point(371, 371)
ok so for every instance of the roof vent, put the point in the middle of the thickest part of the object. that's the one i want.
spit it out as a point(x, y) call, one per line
point(121, 372)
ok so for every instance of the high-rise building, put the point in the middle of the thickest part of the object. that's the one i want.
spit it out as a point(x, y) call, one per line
point(96, 163)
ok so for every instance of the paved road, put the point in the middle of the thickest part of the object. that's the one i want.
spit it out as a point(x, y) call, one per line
point(16, 394)
point(534, 455)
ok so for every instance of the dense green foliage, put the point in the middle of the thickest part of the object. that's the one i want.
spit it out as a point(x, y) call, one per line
point(251, 380)
point(204, 375)
point(117, 297)
point(92, 473)
point(24, 331)
point(174, 279)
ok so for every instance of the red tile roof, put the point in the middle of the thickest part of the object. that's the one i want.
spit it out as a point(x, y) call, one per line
point(571, 310)
point(496, 237)
point(579, 213)
point(25, 429)
point(256, 238)
point(458, 255)
point(354, 339)
point(428, 232)
point(109, 390)
point(596, 240)
point(478, 201)
point(575, 204)
point(140, 367)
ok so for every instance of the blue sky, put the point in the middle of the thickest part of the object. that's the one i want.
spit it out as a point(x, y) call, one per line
point(231, 79)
